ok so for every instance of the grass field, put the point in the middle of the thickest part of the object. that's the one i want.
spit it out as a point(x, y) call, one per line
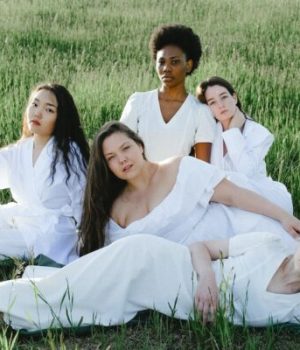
point(99, 50)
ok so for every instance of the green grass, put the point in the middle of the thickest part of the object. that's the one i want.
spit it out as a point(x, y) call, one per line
point(99, 50)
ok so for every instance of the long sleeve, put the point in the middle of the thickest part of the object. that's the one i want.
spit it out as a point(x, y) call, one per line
point(5, 166)
point(247, 151)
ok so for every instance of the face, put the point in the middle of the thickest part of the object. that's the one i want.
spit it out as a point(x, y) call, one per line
point(42, 113)
point(172, 65)
point(221, 102)
point(123, 155)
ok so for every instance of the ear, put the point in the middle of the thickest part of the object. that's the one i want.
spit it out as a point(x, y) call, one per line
point(235, 97)
point(189, 65)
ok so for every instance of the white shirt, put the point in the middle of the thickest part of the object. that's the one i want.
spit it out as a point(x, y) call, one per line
point(244, 162)
point(193, 123)
point(45, 213)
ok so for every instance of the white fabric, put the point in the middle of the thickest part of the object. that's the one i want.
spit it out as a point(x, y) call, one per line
point(44, 213)
point(185, 215)
point(193, 123)
point(255, 257)
point(111, 285)
point(244, 161)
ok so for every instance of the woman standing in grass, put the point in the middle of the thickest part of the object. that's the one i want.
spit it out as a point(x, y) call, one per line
point(241, 144)
point(45, 171)
point(170, 121)
point(181, 199)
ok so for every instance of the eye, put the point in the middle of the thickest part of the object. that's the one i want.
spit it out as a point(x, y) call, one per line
point(50, 110)
point(34, 104)
point(126, 147)
point(109, 158)
point(211, 103)
point(175, 61)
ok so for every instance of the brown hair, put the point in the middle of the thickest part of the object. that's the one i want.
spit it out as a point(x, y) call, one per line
point(102, 189)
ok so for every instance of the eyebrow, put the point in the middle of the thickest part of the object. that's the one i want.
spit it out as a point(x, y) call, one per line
point(47, 103)
point(122, 145)
point(212, 98)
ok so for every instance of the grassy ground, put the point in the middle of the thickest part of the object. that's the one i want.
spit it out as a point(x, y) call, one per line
point(99, 50)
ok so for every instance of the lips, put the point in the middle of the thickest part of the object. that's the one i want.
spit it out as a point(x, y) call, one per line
point(167, 77)
point(126, 168)
point(35, 122)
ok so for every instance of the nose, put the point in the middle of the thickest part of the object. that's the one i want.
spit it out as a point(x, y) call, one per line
point(166, 67)
point(38, 112)
point(122, 158)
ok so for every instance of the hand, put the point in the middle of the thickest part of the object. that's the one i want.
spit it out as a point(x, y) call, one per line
point(237, 120)
point(206, 297)
point(292, 225)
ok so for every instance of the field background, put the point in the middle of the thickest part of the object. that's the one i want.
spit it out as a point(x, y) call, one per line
point(99, 50)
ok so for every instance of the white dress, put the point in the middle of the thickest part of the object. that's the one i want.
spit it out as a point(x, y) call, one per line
point(244, 162)
point(186, 215)
point(109, 286)
point(43, 218)
point(193, 123)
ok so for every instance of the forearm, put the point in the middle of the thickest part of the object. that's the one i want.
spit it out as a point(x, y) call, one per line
point(229, 194)
point(201, 259)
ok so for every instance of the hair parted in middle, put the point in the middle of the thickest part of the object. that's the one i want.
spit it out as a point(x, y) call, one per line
point(102, 189)
point(180, 36)
point(69, 139)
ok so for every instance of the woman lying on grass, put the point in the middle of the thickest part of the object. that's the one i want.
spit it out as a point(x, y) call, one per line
point(253, 279)
point(181, 199)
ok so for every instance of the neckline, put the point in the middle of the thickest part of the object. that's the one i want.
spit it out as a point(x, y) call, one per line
point(176, 115)
point(150, 213)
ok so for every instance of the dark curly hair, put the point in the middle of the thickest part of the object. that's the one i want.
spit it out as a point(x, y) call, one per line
point(69, 139)
point(180, 36)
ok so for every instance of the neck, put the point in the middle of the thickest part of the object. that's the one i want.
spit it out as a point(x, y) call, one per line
point(143, 179)
point(175, 93)
point(40, 141)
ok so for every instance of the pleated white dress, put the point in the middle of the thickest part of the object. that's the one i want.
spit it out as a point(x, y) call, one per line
point(109, 286)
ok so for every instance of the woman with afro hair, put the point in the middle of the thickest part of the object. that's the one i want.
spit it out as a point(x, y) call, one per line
point(171, 121)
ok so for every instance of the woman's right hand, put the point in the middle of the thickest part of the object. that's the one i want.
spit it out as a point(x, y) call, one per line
point(237, 120)
point(292, 225)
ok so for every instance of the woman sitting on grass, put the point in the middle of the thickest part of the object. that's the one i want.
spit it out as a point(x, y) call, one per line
point(241, 144)
point(258, 284)
point(181, 199)
point(45, 171)
point(170, 121)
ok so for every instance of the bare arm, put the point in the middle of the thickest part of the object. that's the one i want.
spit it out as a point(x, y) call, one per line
point(229, 194)
point(206, 296)
point(202, 151)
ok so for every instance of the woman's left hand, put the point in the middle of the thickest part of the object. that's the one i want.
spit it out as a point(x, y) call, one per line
point(206, 297)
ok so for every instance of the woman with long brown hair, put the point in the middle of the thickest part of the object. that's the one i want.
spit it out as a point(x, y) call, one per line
point(181, 199)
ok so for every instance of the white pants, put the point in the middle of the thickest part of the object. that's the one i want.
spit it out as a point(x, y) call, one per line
point(106, 287)
point(12, 243)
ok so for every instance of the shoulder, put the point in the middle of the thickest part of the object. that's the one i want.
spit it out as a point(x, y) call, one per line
point(141, 96)
point(252, 127)
point(197, 105)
